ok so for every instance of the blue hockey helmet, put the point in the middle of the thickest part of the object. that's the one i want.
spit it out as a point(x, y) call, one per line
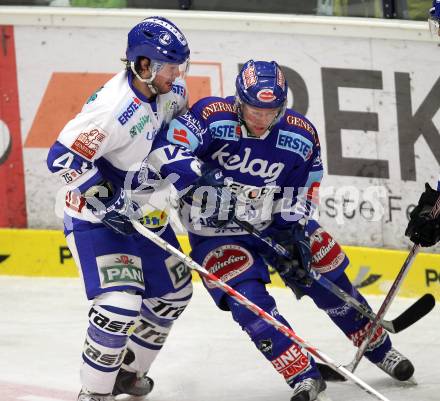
point(262, 84)
point(157, 38)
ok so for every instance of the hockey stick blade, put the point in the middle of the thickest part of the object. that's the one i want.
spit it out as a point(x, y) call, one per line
point(415, 312)
point(419, 309)
point(329, 374)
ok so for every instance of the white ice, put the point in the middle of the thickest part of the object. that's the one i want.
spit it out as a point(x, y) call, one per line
point(206, 358)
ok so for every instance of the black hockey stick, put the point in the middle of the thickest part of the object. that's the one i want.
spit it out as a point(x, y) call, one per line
point(435, 212)
point(407, 318)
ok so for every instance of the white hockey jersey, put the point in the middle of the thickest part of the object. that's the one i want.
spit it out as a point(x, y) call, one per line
point(110, 137)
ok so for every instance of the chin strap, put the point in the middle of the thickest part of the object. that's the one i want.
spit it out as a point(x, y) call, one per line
point(148, 81)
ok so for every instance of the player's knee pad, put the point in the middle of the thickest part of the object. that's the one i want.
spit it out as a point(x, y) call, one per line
point(111, 319)
point(158, 315)
point(256, 292)
point(285, 356)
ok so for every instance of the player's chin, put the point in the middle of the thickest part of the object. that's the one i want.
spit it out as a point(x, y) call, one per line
point(259, 130)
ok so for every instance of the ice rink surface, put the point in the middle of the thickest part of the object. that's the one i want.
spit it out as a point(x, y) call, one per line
point(206, 357)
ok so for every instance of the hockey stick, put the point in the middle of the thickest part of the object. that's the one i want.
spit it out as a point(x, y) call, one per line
point(411, 315)
point(435, 212)
point(214, 280)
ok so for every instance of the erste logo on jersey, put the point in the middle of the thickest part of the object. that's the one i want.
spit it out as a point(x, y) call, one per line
point(225, 129)
point(88, 143)
point(295, 143)
point(129, 111)
point(179, 90)
point(266, 95)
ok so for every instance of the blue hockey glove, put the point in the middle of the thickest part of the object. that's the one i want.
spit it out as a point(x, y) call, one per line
point(212, 197)
point(422, 229)
point(294, 270)
point(113, 207)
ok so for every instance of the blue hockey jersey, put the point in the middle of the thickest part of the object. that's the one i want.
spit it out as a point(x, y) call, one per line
point(273, 176)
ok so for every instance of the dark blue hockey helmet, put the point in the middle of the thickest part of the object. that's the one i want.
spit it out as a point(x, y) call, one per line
point(262, 84)
point(157, 38)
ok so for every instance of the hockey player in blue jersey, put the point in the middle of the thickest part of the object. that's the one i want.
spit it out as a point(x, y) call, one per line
point(271, 158)
point(137, 289)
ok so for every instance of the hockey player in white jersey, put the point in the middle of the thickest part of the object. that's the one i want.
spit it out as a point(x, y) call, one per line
point(137, 290)
point(271, 156)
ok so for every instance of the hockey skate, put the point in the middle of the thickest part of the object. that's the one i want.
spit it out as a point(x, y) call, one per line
point(308, 389)
point(396, 365)
point(136, 388)
point(86, 396)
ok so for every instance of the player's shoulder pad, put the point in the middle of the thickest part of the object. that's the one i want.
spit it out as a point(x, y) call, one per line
point(114, 98)
point(186, 130)
point(297, 134)
point(215, 108)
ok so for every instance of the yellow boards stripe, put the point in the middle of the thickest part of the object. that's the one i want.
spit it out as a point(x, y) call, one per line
point(44, 253)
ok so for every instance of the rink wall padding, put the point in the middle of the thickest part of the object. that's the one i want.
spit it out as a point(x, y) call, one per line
point(367, 85)
point(44, 253)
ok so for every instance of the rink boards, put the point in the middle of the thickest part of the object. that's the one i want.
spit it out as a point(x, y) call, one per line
point(44, 253)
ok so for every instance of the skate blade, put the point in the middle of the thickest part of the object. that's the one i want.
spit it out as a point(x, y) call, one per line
point(126, 397)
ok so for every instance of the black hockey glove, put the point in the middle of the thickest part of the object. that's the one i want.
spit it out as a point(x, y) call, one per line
point(294, 270)
point(212, 197)
point(113, 207)
point(422, 229)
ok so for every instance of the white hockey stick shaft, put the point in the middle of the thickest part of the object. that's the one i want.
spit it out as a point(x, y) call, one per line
point(390, 296)
point(256, 309)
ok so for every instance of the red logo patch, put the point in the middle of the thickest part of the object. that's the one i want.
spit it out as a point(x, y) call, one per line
point(291, 362)
point(228, 261)
point(358, 337)
point(180, 136)
point(266, 95)
point(88, 143)
point(75, 201)
point(249, 76)
point(327, 255)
